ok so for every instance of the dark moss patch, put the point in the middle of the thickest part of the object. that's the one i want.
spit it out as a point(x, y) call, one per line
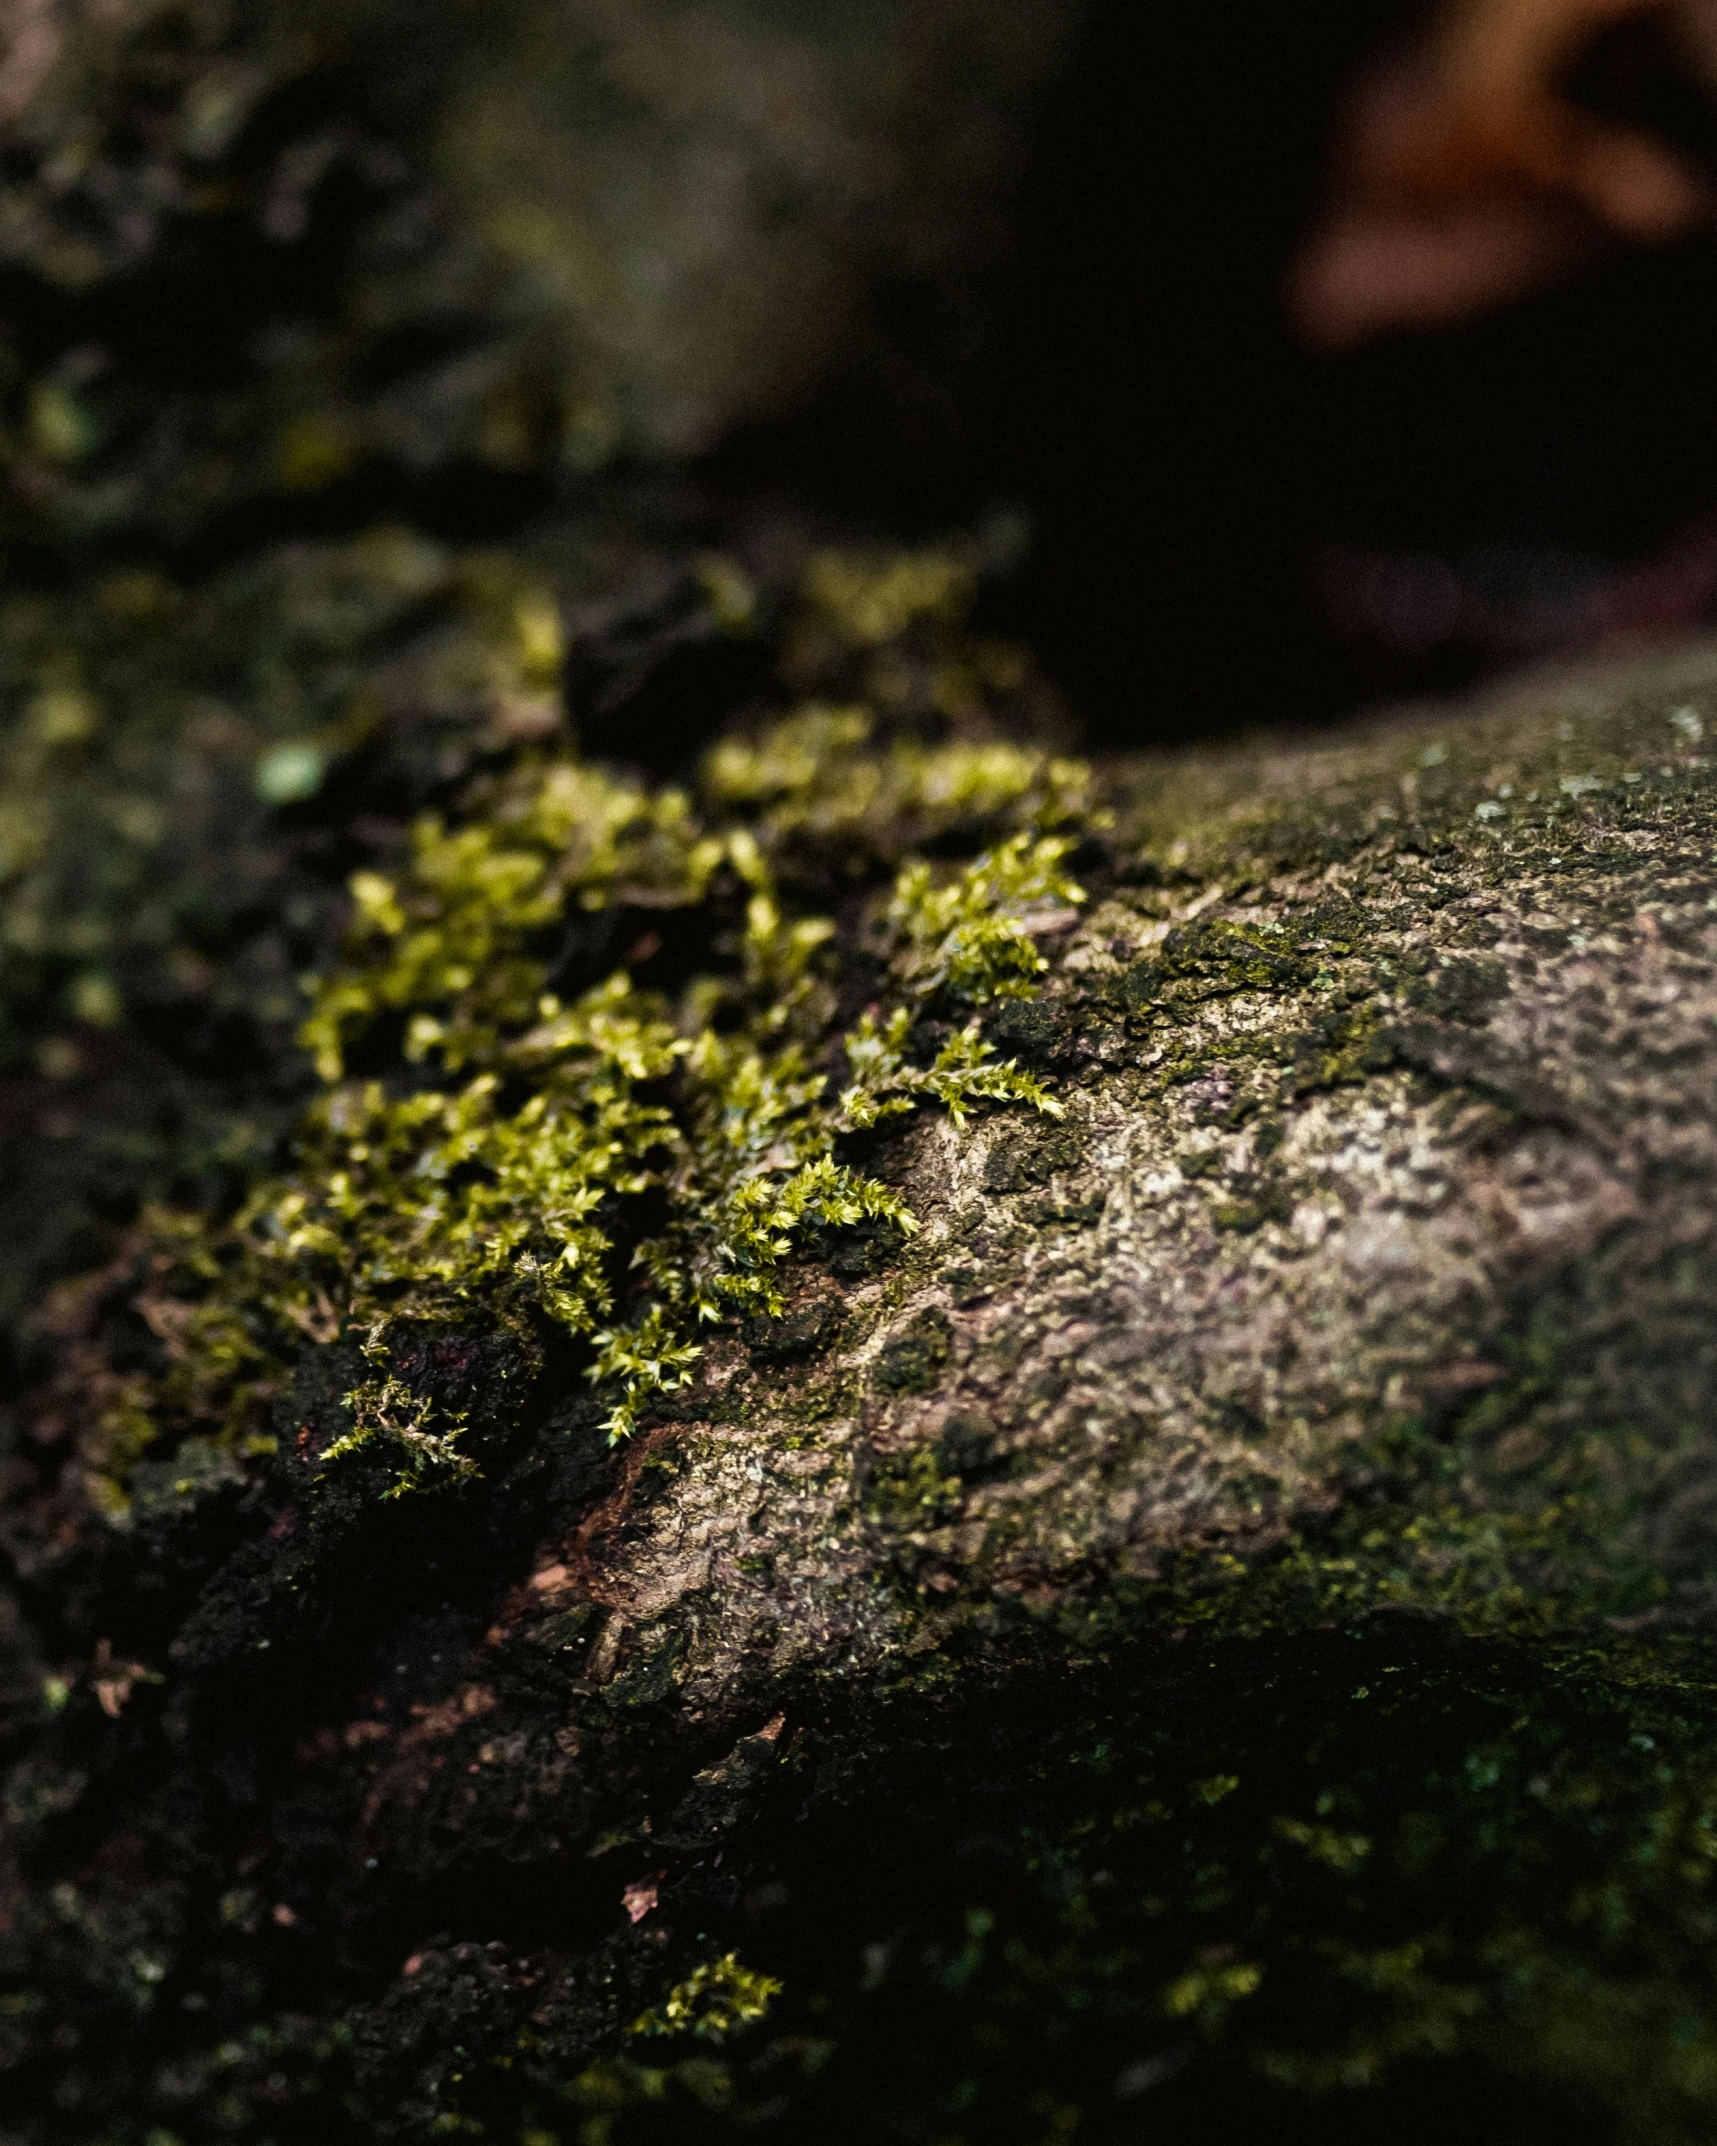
point(1214, 958)
point(914, 1360)
point(1250, 1202)
point(800, 1331)
point(1033, 1032)
point(1026, 1156)
point(913, 1491)
point(1469, 991)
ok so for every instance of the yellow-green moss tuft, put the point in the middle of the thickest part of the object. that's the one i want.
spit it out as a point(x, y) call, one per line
point(497, 1138)
point(712, 2002)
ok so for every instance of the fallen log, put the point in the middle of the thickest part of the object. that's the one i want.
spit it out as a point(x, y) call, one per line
point(1211, 1625)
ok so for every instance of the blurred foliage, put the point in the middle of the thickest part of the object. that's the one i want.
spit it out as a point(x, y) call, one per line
point(272, 248)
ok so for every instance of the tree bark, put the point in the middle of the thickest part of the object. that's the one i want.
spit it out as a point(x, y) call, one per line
point(1377, 1052)
point(1364, 1285)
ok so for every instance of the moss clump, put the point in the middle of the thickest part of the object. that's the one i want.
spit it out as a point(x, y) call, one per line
point(496, 1171)
point(712, 2002)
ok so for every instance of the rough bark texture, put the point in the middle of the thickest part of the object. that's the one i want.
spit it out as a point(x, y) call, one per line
point(1352, 1325)
point(1211, 1634)
point(1392, 1054)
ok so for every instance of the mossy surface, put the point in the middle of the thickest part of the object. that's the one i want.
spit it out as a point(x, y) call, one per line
point(1207, 1629)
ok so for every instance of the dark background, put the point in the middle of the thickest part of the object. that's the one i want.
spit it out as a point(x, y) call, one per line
point(1229, 530)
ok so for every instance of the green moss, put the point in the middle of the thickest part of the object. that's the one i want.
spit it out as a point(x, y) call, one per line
point(711, 2003)
point(1253, 1201)
point(1418, 1790)
point(385, 1411)
point(1215, 957)
point(622, 1164)
point(911, 1492)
